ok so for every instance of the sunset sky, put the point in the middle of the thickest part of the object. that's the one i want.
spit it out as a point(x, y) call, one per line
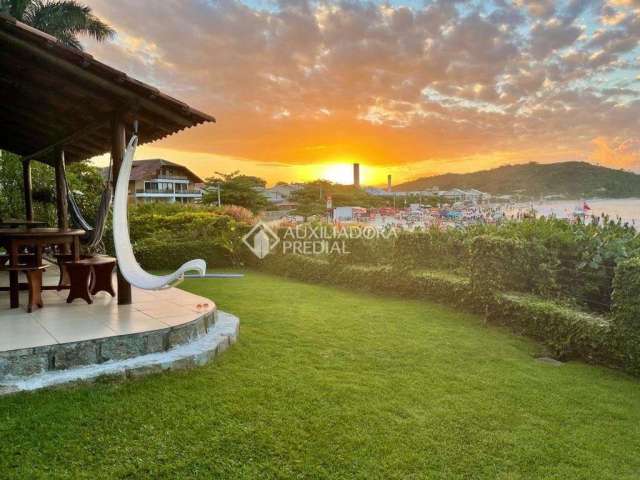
point(302, 89)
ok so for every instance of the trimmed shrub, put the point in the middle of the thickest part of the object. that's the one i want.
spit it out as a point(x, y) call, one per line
point(163, 255)
point(509, 264)
point(432, 248)
point(166, 235)
point(626, 312)
point(569, 333)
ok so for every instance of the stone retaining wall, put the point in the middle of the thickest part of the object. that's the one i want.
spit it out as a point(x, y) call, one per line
point(34, 361)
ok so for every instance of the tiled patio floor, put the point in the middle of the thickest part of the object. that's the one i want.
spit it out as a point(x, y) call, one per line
point(59, 322)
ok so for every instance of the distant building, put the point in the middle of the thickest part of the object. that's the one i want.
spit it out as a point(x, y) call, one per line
point(348, 213)
point(459, 195)
point(476, 195)
point(158, 180)
point(279, 195)
point(454, 194)
point(356, 175)
point(378, 192)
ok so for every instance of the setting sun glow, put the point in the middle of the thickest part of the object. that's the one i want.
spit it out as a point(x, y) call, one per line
point(339, 173)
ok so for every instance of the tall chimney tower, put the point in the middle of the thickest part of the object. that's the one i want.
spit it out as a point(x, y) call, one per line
point(389, 183)
point(356, 175)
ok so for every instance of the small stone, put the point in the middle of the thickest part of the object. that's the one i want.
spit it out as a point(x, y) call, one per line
point(549, 361)
point(182, 335)
point(24, 365)
point(74, 355)
point(183, 363)
point(121, 348)
point(223, 344)
point(156, 342)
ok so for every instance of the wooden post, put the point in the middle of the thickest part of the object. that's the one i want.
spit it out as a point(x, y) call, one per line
point(28, 198)
point(118, 139)
point(61, 191)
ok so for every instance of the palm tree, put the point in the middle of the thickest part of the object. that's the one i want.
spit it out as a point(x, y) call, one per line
point(64, 19)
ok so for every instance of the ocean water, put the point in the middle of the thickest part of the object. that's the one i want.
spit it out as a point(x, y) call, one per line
point(627, 209)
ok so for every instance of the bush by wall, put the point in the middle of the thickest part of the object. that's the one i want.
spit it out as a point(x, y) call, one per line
point(166, 235)
point(499, 264)
point(569, 333)
point(626, 312)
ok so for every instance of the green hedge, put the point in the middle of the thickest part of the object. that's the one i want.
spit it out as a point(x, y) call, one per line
point(166, 236)
point(626, 312)
point(567, 332)
point(164, 255)
point(501, 264)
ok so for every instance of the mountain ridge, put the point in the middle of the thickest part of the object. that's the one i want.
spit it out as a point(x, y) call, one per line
point(574, 179)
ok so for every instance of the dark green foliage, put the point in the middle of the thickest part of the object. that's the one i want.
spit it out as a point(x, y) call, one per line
point(549, 257)
point(626, 311)
point(510, 264)
point(572, 179)
point(431, 248)
point(84, 180)
point(568, 332)
point(236, 189)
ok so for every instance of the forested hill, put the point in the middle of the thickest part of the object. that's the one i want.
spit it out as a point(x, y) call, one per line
point(571, 179)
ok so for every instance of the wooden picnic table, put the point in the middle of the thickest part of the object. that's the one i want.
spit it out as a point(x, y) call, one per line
point(13, 239)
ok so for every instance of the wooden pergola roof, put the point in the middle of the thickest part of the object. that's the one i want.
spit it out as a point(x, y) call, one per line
point(56, 97)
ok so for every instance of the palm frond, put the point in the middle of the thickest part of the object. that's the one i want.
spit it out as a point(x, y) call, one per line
point(66, 19)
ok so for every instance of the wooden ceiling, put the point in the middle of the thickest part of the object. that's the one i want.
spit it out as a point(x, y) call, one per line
point(56, 96)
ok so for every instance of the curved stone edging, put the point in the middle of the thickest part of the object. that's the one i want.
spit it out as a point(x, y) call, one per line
point(38, 360)
point(217, 340)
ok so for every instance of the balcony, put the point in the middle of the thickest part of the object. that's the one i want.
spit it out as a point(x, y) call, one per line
point(169, 193)
point(172, 178)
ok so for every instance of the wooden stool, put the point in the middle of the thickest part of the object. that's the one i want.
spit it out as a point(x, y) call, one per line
point(79, 278)
point(102, 274)
point(61, 258)
point(34, 280)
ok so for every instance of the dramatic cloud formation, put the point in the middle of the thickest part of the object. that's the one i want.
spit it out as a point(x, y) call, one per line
point(451, 85)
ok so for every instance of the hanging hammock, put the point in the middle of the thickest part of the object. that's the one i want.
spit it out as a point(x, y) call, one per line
point(94, 235)
point(127, 263)
point(128, 266)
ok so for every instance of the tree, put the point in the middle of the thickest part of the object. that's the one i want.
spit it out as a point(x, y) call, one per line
point(236, 189)
point(64, 19)
point(312, 198)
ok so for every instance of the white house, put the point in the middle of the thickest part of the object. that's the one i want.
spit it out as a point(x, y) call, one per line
point(158, 180)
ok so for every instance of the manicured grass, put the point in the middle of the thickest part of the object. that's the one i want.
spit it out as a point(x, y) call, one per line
point(330, 384)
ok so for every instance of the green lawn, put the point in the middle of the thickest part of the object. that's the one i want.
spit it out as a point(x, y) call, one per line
point(330, 384)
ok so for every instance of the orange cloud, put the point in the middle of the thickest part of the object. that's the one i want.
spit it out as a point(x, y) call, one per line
point(447, 87)
point(625, 154)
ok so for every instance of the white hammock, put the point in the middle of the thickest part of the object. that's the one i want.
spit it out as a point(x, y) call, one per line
point(127, 263)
